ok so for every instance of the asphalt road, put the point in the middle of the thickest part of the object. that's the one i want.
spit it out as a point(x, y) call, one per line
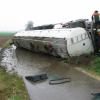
point(28, 63)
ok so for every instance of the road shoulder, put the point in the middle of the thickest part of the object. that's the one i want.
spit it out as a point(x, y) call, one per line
point(89, 73)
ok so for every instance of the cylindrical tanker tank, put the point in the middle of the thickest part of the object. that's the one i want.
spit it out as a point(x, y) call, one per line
point(57, 42)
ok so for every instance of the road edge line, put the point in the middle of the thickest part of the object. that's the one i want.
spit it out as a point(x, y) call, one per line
point(90, 74)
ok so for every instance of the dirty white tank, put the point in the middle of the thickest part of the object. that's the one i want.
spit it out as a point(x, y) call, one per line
point(57, 42)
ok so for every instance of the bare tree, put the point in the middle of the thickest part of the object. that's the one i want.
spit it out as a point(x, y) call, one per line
point(29, 26)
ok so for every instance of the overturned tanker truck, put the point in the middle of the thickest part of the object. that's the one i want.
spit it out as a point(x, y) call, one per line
point(72, 39)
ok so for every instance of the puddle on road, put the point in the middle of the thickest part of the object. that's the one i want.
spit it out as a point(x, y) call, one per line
point(28, 63)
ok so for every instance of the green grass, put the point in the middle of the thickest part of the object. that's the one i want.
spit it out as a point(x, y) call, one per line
point(7, 33)
point(94, 65)
point(11, 87)
point(6, 38)
point(7, 43)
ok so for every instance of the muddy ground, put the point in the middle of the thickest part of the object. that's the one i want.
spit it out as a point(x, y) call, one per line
point(27, 63)
point(3, 40)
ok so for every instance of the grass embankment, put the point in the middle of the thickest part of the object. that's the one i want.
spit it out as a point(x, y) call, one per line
point(94, 65)
point(11, 87)
point(4, 37)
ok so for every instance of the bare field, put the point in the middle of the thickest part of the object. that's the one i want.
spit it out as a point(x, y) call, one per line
point(3, 40)
point(5, 36)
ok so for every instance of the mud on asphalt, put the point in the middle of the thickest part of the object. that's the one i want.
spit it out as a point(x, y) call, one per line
point(28, 63)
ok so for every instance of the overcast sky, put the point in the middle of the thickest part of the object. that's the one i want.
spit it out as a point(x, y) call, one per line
point(14, 14)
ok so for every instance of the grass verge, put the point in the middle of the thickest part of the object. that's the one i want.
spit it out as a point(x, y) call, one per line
point(7, 43)
point(92, 68)
point(5, 37)
point(91, 64)
point(94, 65)
point(11, 87)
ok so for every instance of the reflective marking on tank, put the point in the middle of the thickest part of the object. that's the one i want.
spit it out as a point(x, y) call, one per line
point(72, 40)
point(78, 38)
point(86, 35)
point(75, 39)
point(82, 36)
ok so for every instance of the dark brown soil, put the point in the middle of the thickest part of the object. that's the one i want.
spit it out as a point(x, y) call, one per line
point(81, 60)
point(3, 40)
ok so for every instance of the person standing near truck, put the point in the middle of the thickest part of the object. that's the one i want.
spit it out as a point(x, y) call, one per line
point(96, 18)
point(96, 30)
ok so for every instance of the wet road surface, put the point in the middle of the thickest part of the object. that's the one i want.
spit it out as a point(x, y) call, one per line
point(29, 63)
